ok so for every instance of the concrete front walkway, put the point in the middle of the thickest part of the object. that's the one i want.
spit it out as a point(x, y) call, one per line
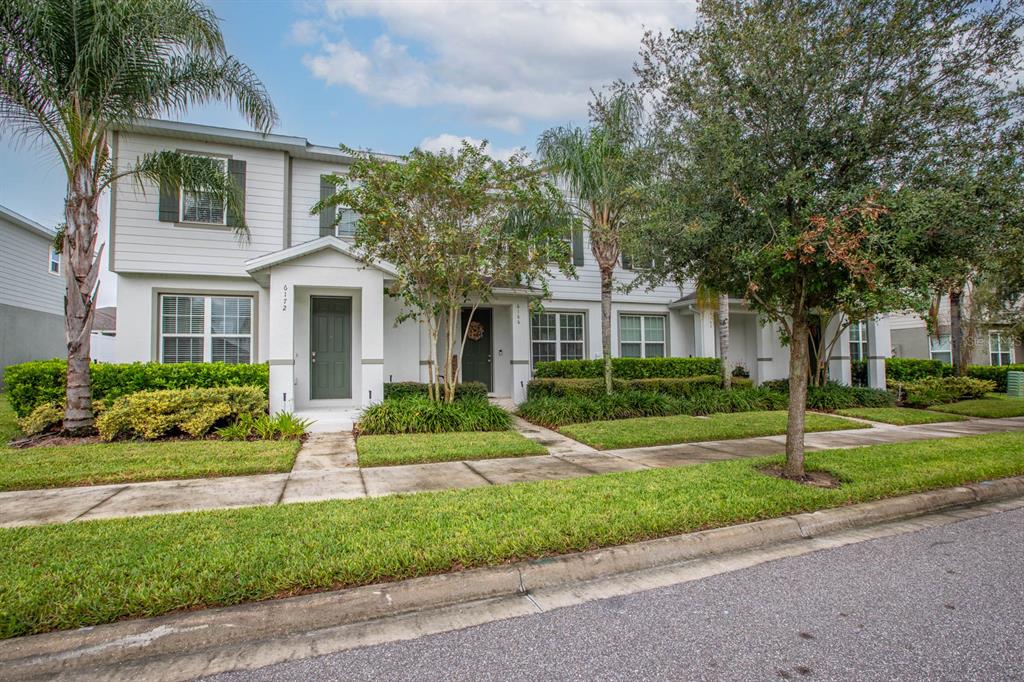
point(324, 477)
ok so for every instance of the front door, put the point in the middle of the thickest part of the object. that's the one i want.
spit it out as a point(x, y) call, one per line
point(330, 347)
point(476, 356)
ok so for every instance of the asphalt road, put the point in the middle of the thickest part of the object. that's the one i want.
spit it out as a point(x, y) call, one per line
point(940, 604)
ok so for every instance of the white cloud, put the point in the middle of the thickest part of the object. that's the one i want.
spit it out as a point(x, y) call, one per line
point(453, 142)
point(502, 62)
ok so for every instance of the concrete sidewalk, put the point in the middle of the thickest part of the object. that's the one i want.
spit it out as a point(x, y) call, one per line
point(327, 478)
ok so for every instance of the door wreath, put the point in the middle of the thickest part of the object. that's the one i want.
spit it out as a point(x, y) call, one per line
point(475, 331)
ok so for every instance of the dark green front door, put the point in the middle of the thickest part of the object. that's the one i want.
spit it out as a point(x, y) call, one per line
point(330, 347)
point(476, 356)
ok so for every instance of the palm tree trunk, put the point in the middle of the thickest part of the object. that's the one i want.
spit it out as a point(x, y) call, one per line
point(797, 397)
point(956, 332)
point(606, 325)
point(81, 273)
point(723, 339)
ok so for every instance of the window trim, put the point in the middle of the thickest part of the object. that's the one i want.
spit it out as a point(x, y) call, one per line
point(558, 334)
point(223, 158)
point(156, 348)
point(53, 259)
point(1003, 341)
point(937, 340)
point(643, 332)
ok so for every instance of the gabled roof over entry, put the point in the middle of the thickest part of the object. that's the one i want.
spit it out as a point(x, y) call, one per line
point(329, 243)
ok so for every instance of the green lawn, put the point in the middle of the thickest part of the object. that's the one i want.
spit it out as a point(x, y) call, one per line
point(418, 448)
point(901, 416)
point(644, 431)
point(990, 408)
point(78, 574)
point(53, 467)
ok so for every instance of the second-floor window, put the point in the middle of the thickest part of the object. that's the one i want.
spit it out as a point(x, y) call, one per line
point(204, 207)
point(642, 336)
point(859, 341)
point(205, 328)
point(556, 336)
point(54, 261)
point(1000, 349)
point(941, 348)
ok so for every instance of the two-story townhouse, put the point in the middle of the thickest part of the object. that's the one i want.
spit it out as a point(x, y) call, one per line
point(292, 294)
point(31, 292)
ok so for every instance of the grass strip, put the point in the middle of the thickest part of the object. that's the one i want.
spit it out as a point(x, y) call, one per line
point(645, 431)
point(78, 574)
point(420, 448)
point(900, 416)
point(989, 408)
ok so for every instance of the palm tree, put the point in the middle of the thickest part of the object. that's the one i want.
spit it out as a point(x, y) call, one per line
point(603, 169)
point(72, 72)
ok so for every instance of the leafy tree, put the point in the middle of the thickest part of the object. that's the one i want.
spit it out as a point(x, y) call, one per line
point(791, 125)
point(456, 226)
point(604, 168)
point(75, 70)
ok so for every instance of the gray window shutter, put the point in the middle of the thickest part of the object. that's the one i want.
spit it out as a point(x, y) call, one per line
point(236, 171)
point(577, 246)
point(168, 210)
point(327, 190)
point(627, 262)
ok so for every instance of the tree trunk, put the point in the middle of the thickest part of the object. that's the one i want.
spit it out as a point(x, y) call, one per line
point(81, 274)
point(956, 332)
point(797, 397)
point(606, 326)
point(723, 339)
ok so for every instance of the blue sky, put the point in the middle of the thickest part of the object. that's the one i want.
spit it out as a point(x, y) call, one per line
point(394, 75)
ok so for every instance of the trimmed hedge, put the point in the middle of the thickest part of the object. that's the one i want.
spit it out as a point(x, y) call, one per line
point(555, 412)
point(594, 388)
point(912, 369)
point(404, 389)
point(835, 396)
point(630, 368)
point(190, 411)
point(941, 390)
point(31, 384)
point(416, 414)
point(996, 375)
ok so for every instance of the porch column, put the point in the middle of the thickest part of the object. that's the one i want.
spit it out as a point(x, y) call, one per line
point(281, 351)
point(372, 342)
point(879, 348)
point(764, 349)
point(704, 341)
point(424, 353)
point(840, 368)
point(520, 350)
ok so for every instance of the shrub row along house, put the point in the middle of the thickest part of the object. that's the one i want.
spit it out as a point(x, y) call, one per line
point(293, 294)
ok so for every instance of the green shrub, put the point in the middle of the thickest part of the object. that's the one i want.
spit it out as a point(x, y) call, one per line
point(941, 390)
point(911, 369)
point(191, 411)
point(417, 414)
point(594, 388)
point(737, 400)
point(43, 381)
point(833, 396)
point(630, 368)
point(403, 389)
point(45, 417)
point(996, 375)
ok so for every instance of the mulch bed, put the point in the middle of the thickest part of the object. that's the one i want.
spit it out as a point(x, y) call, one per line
point(817, 479)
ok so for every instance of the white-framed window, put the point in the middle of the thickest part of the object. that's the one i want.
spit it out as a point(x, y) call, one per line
point(205, 328)
point(1000, 349)
point(941, 348)
point(859, 341)
point(54, 264)
point(205, 207)
point(347, 224)
point(642, 336)
point(556, 336)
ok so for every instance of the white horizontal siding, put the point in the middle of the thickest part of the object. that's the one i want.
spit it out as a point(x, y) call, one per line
point(25, 278)
point(143, 244)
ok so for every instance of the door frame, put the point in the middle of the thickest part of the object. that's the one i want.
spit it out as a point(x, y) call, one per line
point(351, 354)
point(490, 336)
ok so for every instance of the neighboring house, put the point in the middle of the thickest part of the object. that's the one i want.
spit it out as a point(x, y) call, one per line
point(991, 345)
point(103, 341)
point(31, 292)
point(293, 294)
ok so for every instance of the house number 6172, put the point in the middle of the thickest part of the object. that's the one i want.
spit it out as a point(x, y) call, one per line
point(284, 298)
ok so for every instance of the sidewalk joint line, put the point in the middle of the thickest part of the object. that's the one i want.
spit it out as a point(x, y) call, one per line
point(475, 471)
point(362, 479)
point(103, 501)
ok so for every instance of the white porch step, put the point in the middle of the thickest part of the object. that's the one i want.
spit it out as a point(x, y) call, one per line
point(330, 420)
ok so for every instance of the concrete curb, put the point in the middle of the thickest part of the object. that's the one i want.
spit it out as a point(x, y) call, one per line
point(161, 643)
